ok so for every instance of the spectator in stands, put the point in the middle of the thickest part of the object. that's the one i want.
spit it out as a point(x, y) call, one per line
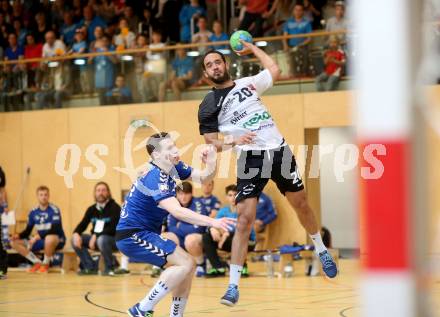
point(53, 47)
point(106, 9)
point(46, 218)
point(334, 60)
point(218, 36)
point(215, 239)
point(104, 216)
point(297, 24)
point(120, 94)
point(42, 27)
point(265, 213)
point(132, 19)
point(255, 10)
point(104, 68)
point(187, 235)
point(281, 10)
point(181, 77)
point(310, 12)
point(20, 32)
point(147, 23)
point(99, 33)
point(189, 12)
point(80, 47)
point(54, 85)
point(126, 38)
point(90, 21)
point(338, 22)
point(3, 209)
point(203, 35)
point(156, 66)
point(140, 60)
point(32, 50)
point(13, 51)
point(68, 29)
point(212, 11)
point(211, 202)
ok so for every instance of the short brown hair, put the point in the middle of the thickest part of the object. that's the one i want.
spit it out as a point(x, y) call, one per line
point(186, 187)
point(42, 188)
point(154, 140)
point(230, 188)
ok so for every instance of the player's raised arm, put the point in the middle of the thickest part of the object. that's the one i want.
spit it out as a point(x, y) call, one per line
point(173, 206)
point(265, 60)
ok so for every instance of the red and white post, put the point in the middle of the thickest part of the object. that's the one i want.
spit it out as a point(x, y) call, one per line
point(384, 95)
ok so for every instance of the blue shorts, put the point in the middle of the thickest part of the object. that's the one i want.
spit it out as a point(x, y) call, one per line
point(147, 247)
point(39, 245)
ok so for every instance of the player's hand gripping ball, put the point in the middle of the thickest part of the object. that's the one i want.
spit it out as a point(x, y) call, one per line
point(237, 45)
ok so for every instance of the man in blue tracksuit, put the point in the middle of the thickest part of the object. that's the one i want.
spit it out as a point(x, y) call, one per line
point(266, 213)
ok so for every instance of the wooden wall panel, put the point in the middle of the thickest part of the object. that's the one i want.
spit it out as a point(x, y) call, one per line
point(330, 109)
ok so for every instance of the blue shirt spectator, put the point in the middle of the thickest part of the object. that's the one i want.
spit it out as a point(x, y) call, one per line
point(292, 27)
point(45, 222)
point(266, 212)
point(182, 66)
point(91, 22)
point(219, 38)
point(104, 70)
point(187, 13)
point(120, 94)
point(181, 228)
point(13, 51)
point(228, 213)
point(68, 33)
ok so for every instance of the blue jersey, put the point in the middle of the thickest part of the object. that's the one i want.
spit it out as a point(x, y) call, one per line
point(265, 209)
point(211, 203)
point(45, 222)
point(141, 209)
point(293, 27)
point(182, 228)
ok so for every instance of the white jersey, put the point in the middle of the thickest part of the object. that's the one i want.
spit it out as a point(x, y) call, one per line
point(238, 109)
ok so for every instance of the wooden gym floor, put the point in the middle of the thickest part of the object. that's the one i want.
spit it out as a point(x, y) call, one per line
point(55, 294)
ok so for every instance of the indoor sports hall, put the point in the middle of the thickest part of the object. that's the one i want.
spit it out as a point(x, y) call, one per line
point(247, 158)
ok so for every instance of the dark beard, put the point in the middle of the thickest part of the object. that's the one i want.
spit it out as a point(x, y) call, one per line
point(220, 80)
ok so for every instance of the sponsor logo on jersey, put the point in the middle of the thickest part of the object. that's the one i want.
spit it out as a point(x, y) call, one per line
point(163, 187)
point(238, 116)
point(227, 105)
point(256, 119)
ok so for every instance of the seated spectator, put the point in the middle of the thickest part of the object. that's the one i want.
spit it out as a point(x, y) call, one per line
point(104, 216)
point(68, 29)
point(120, 94)
point(13, 51)
point(189, 12)
point(203, 35)
point(155, 66)
point(53, 85)
point(42, 27)
point(265, 213)
point(126, 38)
point(140, 60)
point(20, 32)
point(32, 50)
point(215, 239)
point(104, 68)
point(187, 235)
point(218, 36)
point(90, 21)
point(131, 18)
point(338, 22)
point(53, 47)
point(46, 218)
point(334, 60)
point(211, 202)
point(181, 77)
point(254, 16)
point(147, 23)
point(297, 24)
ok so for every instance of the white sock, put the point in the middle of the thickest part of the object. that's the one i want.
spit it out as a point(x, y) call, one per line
point(46, 259)
point(317, 241)
point(159, 291)
point(178, 306)
point(33, 258)
point(234, 273)
point(124, 263)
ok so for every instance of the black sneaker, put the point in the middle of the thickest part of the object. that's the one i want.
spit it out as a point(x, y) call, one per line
point(88, 272)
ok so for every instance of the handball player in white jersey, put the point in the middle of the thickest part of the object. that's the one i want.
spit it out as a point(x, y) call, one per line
point(234, 109)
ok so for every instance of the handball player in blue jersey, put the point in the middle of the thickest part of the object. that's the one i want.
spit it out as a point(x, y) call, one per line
point(151, 199)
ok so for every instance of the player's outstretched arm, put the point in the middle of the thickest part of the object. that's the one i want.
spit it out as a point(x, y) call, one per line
point(265, 60)
point(228, 141)
point(173, 206)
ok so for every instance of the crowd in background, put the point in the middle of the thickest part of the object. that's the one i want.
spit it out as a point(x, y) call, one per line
point(33, 29)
